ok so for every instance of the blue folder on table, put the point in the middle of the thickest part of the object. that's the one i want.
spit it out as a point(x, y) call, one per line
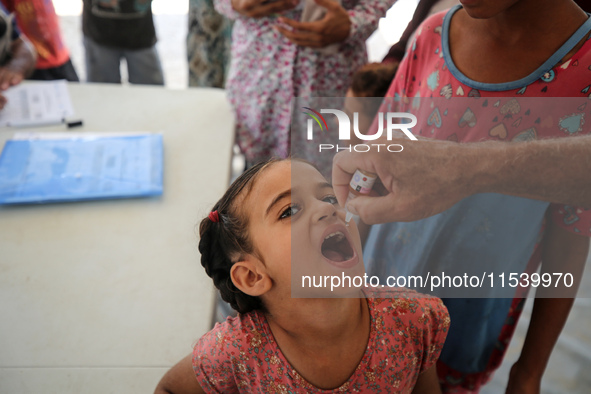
point(81, 168)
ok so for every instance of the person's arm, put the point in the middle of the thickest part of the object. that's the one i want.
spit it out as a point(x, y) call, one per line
point(365, 17)
point(435, 320)
point(234, 9)
point(427, 383)
point(20, 65)
point(555, 170)
point(396, 52)
point(548, 318)
point(563, 252)
point(180, 379)
point(429, 176)
point(338, 24)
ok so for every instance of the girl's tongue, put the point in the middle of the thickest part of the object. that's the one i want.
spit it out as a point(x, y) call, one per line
point(336, 247)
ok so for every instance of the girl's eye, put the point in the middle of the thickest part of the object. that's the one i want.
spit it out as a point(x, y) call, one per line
point(289, 212)
point(331, 200)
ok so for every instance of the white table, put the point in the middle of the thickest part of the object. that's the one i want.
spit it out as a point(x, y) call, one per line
point(104, 296)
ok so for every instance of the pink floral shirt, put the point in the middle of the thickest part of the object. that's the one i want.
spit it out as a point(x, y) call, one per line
point(429, 72)
point(406, 336)
point(488, 231)
point(267, 70)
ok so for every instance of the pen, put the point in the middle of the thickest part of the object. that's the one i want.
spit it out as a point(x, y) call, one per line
point(36, 123)
point(74, 123)
point(47, 122)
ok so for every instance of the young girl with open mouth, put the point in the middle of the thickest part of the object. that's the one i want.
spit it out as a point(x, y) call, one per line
point(280, 214)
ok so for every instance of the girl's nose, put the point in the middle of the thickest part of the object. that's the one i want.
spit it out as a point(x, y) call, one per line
point(324, 211)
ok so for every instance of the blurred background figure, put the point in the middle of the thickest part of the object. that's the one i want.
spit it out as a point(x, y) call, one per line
point(38, 21)
point(116, 30)
point(276, 56)
point(17, 56)
point(208, 44)
point(423, 10)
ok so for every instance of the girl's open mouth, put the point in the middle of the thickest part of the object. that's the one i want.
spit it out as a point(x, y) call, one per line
point(337, 249)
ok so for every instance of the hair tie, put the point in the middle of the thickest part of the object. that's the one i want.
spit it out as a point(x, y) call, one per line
point(214, 216)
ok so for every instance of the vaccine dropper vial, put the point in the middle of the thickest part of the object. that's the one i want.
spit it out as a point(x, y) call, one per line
point(360, 184)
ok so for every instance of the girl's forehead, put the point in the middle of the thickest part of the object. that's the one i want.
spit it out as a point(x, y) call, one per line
point(303, 173)
point(281, 177)
point(287, 171)
point(273, 178)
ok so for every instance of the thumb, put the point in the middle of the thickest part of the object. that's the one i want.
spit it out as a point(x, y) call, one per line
point(372, 210)
point(16, 79)
point(330, 5)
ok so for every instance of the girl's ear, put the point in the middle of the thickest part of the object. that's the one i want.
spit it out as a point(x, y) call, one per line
point(250, 277)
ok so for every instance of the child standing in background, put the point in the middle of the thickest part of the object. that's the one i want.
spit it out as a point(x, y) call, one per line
point(120, 29)
point(276, 58)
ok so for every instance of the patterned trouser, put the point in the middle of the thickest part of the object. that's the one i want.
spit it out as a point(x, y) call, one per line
point(208, 45)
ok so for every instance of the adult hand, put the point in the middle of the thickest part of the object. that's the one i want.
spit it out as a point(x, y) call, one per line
point(521, 382)
point(333, 28)
point(10, 76)
point(262, 8)
point(21, 63)
point(426, 178)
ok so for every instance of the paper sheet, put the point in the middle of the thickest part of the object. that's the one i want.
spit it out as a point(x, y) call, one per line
point(36, 103)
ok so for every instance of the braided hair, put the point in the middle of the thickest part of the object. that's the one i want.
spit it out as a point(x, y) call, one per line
point(225, 240)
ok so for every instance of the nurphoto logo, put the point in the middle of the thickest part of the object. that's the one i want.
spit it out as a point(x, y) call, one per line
point(399, 121)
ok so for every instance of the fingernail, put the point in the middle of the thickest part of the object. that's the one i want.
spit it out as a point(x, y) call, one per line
point(352, 209)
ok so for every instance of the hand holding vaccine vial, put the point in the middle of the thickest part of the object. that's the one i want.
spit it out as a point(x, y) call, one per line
point(360, 184)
